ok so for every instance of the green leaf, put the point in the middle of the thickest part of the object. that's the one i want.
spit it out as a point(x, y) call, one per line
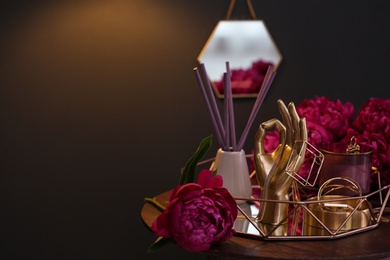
point(188, 174)
point(159, 243)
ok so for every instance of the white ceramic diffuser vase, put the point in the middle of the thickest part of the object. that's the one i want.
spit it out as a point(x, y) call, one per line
point(233, 167)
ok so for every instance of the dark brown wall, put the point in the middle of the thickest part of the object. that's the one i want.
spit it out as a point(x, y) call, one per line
point(99, 107)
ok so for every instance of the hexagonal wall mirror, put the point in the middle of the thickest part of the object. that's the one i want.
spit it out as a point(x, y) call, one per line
point(249, 49)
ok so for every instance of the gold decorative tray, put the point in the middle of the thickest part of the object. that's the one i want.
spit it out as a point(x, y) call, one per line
point(327, 218)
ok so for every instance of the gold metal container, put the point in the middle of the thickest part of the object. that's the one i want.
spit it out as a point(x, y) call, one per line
point(337, 213)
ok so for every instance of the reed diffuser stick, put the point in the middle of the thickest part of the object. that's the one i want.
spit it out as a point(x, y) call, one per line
point(259, 100)
point(206, 100)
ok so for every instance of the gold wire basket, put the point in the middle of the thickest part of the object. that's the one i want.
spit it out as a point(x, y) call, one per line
point(320, 217)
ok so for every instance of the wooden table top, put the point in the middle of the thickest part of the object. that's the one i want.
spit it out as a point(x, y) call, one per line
point(372, 244)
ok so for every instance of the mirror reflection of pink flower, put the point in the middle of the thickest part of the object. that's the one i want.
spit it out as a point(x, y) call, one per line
point(246, 81)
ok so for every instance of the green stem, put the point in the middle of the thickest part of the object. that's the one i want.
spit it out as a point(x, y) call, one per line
point(155, 203)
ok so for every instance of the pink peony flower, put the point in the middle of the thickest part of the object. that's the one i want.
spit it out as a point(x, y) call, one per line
point(271, 141)
point(334, 116)
point(374, 117)
point(317, 135)
point(199, 214)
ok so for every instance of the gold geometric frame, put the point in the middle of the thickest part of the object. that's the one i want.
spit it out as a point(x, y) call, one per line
point(253, 230)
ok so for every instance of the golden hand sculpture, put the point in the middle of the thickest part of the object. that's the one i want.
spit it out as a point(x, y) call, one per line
point(271, 168)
